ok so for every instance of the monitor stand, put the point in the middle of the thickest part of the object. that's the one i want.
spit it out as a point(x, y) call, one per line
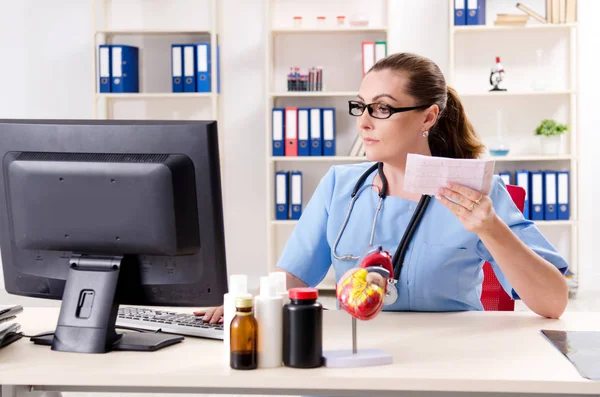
point(89, 309)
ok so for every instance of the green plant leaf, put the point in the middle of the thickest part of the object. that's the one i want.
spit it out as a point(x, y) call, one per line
point(550, 127)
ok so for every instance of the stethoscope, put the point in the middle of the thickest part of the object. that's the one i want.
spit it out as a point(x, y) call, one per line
point(398, 259)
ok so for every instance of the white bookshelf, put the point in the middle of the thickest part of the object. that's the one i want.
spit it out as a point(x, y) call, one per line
point(290, 46)
point(472, 51)
point(153, 27)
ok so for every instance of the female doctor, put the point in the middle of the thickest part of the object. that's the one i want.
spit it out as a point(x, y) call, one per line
point(404, 106)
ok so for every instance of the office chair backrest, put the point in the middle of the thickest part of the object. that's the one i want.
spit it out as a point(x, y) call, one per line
point(493, 296)
point(517, 193)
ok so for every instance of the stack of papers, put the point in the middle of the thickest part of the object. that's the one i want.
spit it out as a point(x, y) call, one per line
point(9, 328)
point(8, 313)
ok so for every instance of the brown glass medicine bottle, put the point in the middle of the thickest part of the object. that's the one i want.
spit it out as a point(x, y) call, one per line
point(243, 335)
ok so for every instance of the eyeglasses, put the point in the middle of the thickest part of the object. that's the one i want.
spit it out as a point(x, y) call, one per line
point(378, 110)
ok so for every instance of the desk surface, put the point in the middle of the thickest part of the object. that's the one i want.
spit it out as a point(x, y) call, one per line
point(445, 352)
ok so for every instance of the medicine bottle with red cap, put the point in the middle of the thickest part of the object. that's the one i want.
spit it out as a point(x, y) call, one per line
point(303, 329)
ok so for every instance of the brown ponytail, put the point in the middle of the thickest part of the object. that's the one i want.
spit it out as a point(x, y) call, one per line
point(453, 134)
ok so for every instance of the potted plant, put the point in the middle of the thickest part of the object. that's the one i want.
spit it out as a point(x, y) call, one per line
point(551, 134)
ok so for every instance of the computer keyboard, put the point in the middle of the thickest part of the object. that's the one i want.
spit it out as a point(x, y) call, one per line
point(167, 322)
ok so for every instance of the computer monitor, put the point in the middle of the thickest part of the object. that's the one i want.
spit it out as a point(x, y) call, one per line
point(104, 212)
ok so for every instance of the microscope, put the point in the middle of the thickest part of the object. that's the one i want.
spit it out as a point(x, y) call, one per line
point(496, 76)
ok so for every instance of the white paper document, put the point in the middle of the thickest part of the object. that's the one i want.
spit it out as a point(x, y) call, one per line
point(426, 174)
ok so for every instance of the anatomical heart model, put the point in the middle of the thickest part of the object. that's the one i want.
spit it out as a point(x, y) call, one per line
point(361, 292)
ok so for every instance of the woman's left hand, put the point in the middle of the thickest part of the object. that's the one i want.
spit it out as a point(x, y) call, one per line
point(472, 208)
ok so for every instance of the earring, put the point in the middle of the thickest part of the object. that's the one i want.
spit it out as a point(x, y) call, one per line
point(425, 134)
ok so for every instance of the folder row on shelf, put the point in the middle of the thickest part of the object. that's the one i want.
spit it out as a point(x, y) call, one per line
point(469, 12)
point(547, 193)
point(372, 51)
point(118, 68)
point(288, 195)
point(191, 67)
point(303, 131)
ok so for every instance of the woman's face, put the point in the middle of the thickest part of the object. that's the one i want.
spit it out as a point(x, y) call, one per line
point(389, 139)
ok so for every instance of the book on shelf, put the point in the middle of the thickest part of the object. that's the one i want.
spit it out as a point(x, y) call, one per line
point(511, 19)
point(557, 11)
point(533, 14)
point(571, 11)
point(358, 148)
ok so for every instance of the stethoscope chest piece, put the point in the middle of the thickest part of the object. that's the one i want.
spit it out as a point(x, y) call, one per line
point(391, 293)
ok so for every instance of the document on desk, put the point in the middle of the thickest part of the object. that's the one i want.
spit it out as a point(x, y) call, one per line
point(581, 348)
point(8, 312)
point(426, 174)
point(9, 333)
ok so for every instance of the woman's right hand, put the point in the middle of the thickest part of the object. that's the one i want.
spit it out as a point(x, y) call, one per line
point(212, 315)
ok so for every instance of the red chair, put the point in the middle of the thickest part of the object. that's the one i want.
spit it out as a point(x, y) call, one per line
point(493, 296)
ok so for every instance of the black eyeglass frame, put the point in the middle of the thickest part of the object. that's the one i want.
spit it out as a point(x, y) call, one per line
point(368, 106)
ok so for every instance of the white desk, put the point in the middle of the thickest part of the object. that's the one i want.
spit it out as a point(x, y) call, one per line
point(486, 352)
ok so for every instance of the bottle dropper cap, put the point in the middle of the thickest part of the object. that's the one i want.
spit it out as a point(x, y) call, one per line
point(238, 284)
point(268, 288)
point(279, 280)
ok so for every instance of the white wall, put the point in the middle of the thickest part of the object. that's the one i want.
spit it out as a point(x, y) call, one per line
point(49, 72)
point(243, 107)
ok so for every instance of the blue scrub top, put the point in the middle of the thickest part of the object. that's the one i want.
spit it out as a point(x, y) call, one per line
point(443, 265)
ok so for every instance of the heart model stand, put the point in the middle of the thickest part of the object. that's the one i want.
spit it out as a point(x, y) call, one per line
point(377, 261)
point(355, 357)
